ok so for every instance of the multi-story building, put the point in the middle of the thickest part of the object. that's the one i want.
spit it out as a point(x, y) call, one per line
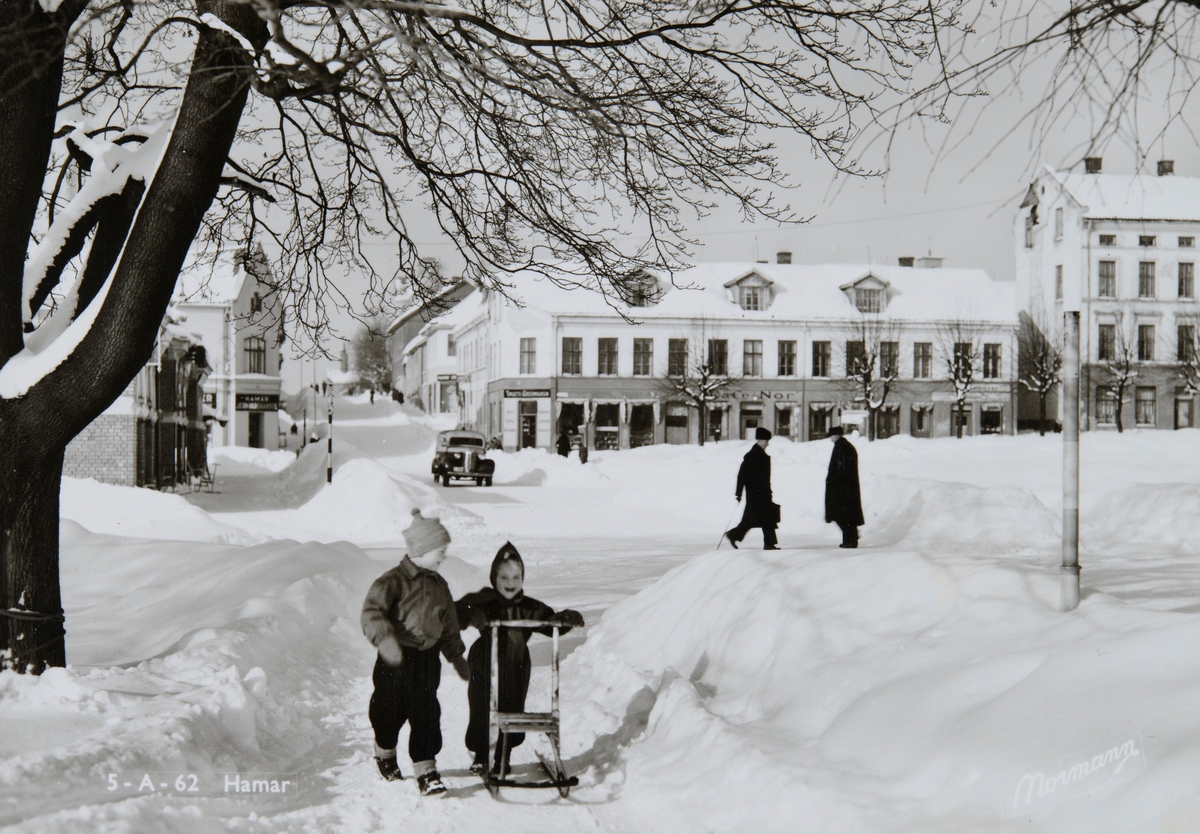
point(787, 342)
point(405, 332)
point(231, 306)
point(1120, 249)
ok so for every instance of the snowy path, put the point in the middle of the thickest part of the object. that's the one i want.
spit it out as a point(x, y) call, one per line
point(888, 690)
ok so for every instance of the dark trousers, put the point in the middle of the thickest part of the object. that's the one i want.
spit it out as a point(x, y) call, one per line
point(408, 692)
point(738, 533)
point(514, 686)
point(849, 534)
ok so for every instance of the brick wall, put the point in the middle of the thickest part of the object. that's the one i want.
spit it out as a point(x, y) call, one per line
point(106, 450)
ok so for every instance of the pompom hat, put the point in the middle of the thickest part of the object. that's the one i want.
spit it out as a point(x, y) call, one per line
point(424, 535)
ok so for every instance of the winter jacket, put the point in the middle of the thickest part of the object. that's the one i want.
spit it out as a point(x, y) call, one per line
point(563, 445)
point(415, 605)
point(843, 503)
point(754, 478)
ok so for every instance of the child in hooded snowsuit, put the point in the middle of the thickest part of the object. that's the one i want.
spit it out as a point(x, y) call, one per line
point(409, 616)
point(505, 600)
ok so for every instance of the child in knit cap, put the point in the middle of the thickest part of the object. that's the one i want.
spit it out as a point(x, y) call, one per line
point(505, 600)
point(409, 617)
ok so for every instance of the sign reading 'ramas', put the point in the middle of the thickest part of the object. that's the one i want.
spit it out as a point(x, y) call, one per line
point(1026, 790)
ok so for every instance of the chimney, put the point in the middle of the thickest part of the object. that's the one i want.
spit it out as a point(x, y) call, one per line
point(929, 262)
point(761, 262)
point(1092, 164)
point(907, 261)
point(1166, 167)
point(786, 257)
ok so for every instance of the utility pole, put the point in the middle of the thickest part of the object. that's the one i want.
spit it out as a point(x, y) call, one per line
point(1069, 572)
point(329, 447)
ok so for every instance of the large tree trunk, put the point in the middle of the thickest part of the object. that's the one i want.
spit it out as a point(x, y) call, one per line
point(38, 426)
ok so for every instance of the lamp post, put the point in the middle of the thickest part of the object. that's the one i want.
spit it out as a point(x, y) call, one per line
point(1069, 572)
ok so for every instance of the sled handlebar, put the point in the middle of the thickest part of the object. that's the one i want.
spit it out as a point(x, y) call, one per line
point(524, 623)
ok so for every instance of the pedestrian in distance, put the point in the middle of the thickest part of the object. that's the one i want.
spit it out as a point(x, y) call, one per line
point(843, 503)
point(409, 617)
point(583, 449)
point(504, 600)
point(564, 443)
point(754, 477)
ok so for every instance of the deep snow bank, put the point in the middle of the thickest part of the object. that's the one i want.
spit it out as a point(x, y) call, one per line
point(142, 513)
point(888, 692)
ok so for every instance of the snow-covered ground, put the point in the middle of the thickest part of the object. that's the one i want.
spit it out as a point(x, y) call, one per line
point(906, 687)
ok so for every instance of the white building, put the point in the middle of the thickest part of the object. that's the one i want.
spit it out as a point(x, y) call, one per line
point(230, 305)
point(783, 334)
point(1120, 249)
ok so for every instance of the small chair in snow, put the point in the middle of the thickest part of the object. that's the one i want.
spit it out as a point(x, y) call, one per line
point(500, 724)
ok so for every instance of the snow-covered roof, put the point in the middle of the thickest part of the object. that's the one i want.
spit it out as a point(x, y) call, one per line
point(1133, 197)
point(799, 292)
point(461, 313)
point(205, 280)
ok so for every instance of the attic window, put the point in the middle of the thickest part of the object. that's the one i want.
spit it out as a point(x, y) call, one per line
point(868, 299)
point(752, 298)
point(642, 291)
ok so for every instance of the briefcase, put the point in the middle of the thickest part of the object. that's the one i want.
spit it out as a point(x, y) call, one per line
point(774, 513)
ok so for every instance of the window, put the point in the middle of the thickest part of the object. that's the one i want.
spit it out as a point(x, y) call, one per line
point(529, 356)
point(718, 356)
point(820, 420)
point(256, 354)
point(1145, 345)
point(572, 356)
point(787, 358)
point(868, 299)
point(1187, 280)
point(1058, 287)
point(920, 420)
point(1145, 406)
point(752, 298)
point(677, 357)
point(752, 357)
point(451, 345)
point(1108, 279)
point(889, 365)
point(991, 420)
point(1107, 343)
point(641, 292)
point(1106, 406)
point(922, 360)
point(783, 422)
point(856, 358)
point(608, 357)
point(963, 352)
point(991, 361)
point(1058, 224)
point(1146, 279)
point(643, 357)
point(887, 422)
point(1187, 242)
point(1187, 343)
point(820, 364)
point(608, 423)
point(255, 303)
point(1029, 221)
point(1108, 240)
point(1146, 240)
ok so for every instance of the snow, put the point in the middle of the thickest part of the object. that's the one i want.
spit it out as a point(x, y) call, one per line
point(1133, 197)
point(903, 687)
point(272, 460)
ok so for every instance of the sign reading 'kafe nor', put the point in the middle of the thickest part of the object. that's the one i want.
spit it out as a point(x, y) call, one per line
point(257, 402)
point(527, 393)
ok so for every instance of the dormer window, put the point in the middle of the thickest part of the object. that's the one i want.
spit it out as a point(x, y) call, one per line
point(752, 298)
point(868, 299)
point(641, 291)
point(751, 292)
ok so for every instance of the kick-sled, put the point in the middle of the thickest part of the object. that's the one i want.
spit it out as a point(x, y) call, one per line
point(500, 724)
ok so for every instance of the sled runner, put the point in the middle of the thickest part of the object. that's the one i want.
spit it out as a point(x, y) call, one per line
point(500, 724)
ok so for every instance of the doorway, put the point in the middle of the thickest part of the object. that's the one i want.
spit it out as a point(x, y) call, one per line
point(750, 419)
point(1183, 414)
point(641, 425)
point(527, 410)
point(255, 440)
point(677, 424)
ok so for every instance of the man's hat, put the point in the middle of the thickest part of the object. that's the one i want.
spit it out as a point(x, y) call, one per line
point(837, 431)
point(761, 434)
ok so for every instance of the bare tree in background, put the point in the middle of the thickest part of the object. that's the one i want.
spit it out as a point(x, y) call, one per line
point(872, 365)
point(959, 342)
point(1118, 356)
point(372, 359)
point(702, 378)
point(1039, 363)
point(1187, 353)
point(536, 136)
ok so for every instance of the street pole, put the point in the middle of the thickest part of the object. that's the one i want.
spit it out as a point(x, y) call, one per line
point(329, 447)
point(1069, 572)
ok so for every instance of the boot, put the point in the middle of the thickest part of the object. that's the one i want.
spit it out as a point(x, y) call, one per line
point(389, 769)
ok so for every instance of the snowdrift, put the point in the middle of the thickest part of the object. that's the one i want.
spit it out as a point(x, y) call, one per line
point(142, 513)
point(876, 692)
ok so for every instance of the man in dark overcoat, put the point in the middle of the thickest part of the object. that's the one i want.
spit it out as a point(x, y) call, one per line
point(843, 503)
point(754, 477)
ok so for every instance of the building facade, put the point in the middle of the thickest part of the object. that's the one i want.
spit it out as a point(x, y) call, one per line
point(235, 312)
point(407, 337)
point(786, 345)
point(1120, 249)
point(154, 434)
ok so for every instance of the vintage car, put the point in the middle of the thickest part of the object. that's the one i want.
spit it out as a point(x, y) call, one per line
point(460, 454)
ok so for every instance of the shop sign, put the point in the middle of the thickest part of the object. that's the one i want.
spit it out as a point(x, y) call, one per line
point(760, 395)
point(447, 377)
point(257, 402)
point(527, 393)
